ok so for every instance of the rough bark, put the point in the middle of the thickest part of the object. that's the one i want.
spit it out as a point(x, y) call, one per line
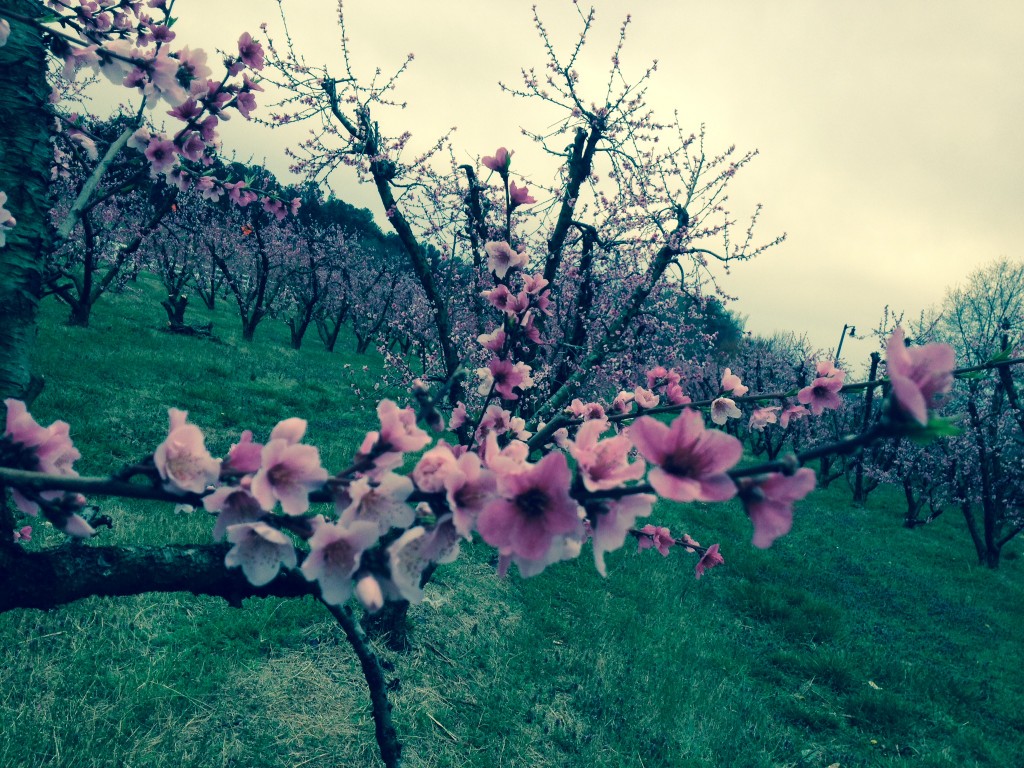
point(55, 577)
point(25, 159)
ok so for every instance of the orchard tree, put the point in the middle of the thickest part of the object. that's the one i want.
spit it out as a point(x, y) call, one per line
point(135, 47)
point(180, 257)
point(635, 204)
point(975, 315)
point(124, 211)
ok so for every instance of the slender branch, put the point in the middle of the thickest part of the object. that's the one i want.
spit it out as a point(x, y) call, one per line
point(387, 738)
point(82, 201)
point(560, 420)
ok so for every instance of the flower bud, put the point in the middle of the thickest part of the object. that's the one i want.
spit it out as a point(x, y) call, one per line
point(369, 593)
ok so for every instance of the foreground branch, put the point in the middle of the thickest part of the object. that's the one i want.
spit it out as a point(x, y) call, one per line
point(75, 571)
point(387, 739)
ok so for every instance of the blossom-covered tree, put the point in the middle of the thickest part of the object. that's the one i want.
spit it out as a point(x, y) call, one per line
point(45, 44)
point(623, 214)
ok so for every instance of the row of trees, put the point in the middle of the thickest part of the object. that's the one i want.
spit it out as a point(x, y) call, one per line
point(975, 469)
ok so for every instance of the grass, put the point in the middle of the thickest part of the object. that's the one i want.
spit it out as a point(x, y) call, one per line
point(852, 641)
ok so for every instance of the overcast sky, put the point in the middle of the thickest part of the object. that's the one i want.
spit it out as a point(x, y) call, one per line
point(890, 133)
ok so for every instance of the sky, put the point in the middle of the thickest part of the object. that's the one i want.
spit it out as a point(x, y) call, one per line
point(890, 133)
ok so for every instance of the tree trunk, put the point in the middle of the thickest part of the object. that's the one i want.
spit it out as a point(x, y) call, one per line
point(80, 314)
point(25, 159)
point(175, 307)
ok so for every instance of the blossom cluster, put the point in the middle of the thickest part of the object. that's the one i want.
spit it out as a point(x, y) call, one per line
point(131, 43)
point(535, 510)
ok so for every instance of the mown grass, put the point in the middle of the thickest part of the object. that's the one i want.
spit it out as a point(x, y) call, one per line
point(852, 641)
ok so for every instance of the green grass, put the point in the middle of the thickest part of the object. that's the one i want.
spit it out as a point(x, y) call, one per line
point(852, 641)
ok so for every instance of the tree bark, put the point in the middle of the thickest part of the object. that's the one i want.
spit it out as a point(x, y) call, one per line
point(25, 160)
point(63, 575)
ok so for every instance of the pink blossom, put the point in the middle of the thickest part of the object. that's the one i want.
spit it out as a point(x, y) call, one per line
point(675, 395)
point(709, 559)
point(468, 491)
point(769, 503)
point(208, 129)
point(416, 549)
point(501, 257)
point(622, 401)
point(612, 524)
point(494, 341)
point(162, 154)
point(502, 376)
point(86, 143)
point(762, 417)
point(822, 394)
point(238, 194)
point(731, 383)
point(723, 409)
point(517, 426)
point(23, 534)
point(51, 447)
point(140, 139)
point(918, 375)
point(532, 508)
point(604, 464)
point(115, 69)
point(162, 81)
point(645, 398)
point(182, 460)
point(7, 221)
point(260, 551)
point(398, 430)
point(245, 455)
point(289, 471)
point(75, 525)
point(245, 102)
point(687, 542)
point(496, 419)
point(192, 69)
point(791, 413)
point(656, 374)
point(234, 505)
point(586, 411)
point(207, 186)
point(691, 460)
point(658, 537)
point(502, 299)
point(458, 417)
point(75, 58)
point(499, 162)
point(561, 548)
point(511, 458)
point(335, 551)
point(519, 195)
point(382, 503)
point(250, 52)
point(534, 284)
point(828, 370)
point(433, 467)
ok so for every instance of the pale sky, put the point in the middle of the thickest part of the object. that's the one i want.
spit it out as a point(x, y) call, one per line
point(890, 132)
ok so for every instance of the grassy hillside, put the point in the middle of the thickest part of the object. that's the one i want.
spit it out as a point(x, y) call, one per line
point(851, 642)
